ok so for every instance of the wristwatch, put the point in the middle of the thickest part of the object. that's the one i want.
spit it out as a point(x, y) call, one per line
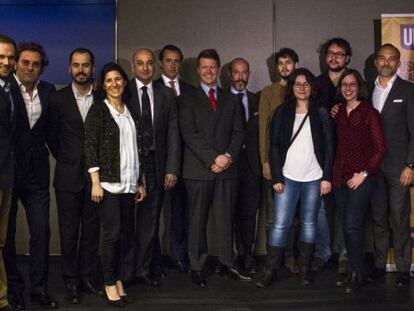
point(365, 174)
point(410, 166)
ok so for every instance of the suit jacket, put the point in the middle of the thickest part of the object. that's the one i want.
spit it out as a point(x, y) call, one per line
point(185, 88)
point(30, 143)
point(65, 139)
point(397, 118)
point(7, 127)
point(207, 133)
point(167, 138)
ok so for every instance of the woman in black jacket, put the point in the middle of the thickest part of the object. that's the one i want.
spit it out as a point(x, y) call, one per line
point(111, 154)
point(301, 156)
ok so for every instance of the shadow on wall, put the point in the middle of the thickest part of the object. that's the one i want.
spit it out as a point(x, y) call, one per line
point(271, 68)
point(188, 71)
point(225, 80)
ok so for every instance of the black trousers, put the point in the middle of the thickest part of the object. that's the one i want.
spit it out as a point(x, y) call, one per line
point(248, 200)
point(116, 212)
point(355, 205)
point(391, 207)
point(36, 202)
point(179, 226)
point(79, 234)
point(220, 195)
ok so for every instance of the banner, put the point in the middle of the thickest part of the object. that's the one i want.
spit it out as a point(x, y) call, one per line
point(398, 29)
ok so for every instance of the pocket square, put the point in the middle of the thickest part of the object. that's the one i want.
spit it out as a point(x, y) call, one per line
point(256, 113)
point(397, 101)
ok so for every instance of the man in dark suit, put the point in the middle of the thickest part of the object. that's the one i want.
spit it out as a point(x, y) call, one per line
point(211, 124)
point(7, 125)
point(393, 97)
point(248, 191)
point(31, 185)
point(68, 109)
point(155, 106)
point(171, 58)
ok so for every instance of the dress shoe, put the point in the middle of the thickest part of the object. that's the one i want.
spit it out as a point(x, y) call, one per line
point(120, 303)
point(16, 301)
point(180, 266)
point(232, 273)
point(353, 284)
point(7, 308)
point(269, 275)
point(73, 294)
point(44, 300)
point(376, 275)
point(197, 277)
point(126, 299)
point(147, 280)
point(87, 287)
point(403, 279)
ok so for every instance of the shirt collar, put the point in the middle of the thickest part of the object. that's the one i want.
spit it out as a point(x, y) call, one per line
point(2, 82)
point(77, 94)
point(206, 88)
point(389, 84)
point(140, 84)
point(167, 80)
point(22, 86)
point(234, 91)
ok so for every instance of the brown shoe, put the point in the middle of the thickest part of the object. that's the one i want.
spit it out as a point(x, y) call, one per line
point(292, 265)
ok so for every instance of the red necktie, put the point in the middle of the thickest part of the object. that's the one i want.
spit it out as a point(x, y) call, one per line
point(212, 99)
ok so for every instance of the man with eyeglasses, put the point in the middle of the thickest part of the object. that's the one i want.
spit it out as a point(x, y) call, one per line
point(338, 54)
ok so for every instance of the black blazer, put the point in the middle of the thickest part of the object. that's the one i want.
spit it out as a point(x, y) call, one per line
point(65, 139)
point(185, 88)
point(167, 138)
point(30, 143)
point(7, 127)
point(251, 138)
point(281, 133)
point(207, 133)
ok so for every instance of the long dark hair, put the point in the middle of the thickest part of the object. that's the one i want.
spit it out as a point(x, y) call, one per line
point(105, 69)
point(362, 88)
point(310, 78)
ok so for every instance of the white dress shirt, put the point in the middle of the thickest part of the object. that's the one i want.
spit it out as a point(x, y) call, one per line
point(380, 94)
point(150, 92)
point(84, 101)
point(32, 103)
point(168, 84)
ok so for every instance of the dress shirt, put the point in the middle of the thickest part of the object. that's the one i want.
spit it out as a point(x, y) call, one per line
point(128, 153)
point(32, 103)
point(381, 93)
point(84, 101)
point(150, 91)
point(206, 89)
point(167, 83)
point(244, 100)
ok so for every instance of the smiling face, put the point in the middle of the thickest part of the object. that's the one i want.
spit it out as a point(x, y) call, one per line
point(81, 68)
point(301, 88)
point(350, 88)
point(387, 62)
point(208, 70)
point(29, 67)
point(7, 59)
point(239, 75)
point(114, 85)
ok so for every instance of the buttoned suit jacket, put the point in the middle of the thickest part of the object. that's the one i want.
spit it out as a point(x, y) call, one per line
point(65, 139)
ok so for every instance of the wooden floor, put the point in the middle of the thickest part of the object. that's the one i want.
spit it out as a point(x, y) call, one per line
point(177, 293)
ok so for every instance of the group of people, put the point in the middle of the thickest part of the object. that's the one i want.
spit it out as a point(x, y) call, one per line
point(322, 151)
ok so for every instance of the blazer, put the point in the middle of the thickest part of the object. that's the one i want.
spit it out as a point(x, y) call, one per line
point(102, 142)
point(167, 138)
point(65, 139)
point(7, 127)
point(282, 131)
point(185, 87)
point(397, 119)
point(30, 143)
point(207, 133)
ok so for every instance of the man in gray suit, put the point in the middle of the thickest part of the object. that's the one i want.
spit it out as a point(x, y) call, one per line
point(393, 97)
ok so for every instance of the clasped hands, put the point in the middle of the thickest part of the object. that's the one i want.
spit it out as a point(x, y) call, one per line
point(221, 163)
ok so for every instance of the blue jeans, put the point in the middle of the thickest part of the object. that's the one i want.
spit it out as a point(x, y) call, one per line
point(323, 243)
point(285, 203)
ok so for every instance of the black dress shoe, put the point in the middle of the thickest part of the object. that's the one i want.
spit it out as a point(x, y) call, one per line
point(145, 279)
point(120, 303)
point(403, 279)
point(180, 266)
point(197, 277)
point(376, 275)
point(16, 301)
point(127, 299)
point(44, 300)
point(87, 287)
point(73, 294)
point(232, 273)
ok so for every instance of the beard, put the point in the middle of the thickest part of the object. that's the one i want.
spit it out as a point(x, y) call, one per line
point(387, 71)
point(82, 78)
point(240, 85)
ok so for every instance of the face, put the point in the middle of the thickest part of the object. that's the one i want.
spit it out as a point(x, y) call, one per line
point(208, 70)
point(144, 66)
point(81, 68)
point(336, 59)
point(349, 88)
point(387, 62)
point(285, 66)
point(29, 67)
point(171, 63)
point(7, 59)
point(301, 88)
point(114, 84)
point(239, 75)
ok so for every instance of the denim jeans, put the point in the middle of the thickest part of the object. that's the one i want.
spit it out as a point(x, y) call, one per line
point(323, 243)
point(285, 203)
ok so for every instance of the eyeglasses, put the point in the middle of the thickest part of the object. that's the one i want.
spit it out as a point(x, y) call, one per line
point(336, 55)
point(298, 85)
point(351, 85)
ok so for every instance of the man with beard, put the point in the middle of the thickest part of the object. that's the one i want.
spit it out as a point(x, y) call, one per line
point(32, 177)
point(270, 98)
point(393, 97)
point(338, 54)
point(248, 190)
point(77, 215)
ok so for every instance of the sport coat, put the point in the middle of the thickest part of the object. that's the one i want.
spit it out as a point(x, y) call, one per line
point(65, 139)
point(165, 123)
point(397, 118)
point(30, 143)
point(207, 133)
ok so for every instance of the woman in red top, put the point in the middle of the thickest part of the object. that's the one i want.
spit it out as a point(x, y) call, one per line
point(361, 148)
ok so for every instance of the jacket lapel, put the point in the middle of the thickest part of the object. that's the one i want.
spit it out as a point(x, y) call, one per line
point(157, 103)
point(391, 96)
